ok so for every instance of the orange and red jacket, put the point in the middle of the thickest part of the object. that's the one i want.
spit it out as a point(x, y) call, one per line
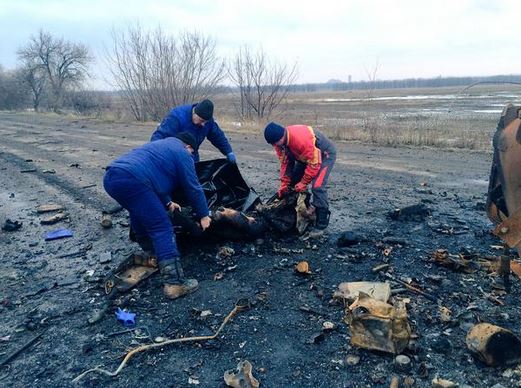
point(301, 146)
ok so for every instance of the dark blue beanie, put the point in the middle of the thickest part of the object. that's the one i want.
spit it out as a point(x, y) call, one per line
point(188, 138)
point(273, 133)
point(204, 110)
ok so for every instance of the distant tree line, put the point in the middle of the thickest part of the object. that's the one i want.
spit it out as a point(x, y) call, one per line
point(403, 83)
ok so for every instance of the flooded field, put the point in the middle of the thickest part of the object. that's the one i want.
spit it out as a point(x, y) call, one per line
point(438, 117)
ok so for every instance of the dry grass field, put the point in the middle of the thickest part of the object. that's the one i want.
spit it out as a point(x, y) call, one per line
point(436, 117)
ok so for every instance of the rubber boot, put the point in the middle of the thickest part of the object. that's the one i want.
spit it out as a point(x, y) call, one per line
point(322, 221)
point(175, 284)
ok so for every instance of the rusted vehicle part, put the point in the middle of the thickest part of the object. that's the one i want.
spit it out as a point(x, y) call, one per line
point(504, 190)
point(378, 325)
point(494, 345)
point(134, 269)
point(241, 377)
point(509, 230)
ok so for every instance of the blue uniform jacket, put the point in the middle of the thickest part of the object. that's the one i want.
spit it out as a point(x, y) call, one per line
point(180, 120)
point(165, 165)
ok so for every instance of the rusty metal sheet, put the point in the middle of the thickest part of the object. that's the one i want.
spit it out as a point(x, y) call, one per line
point(510, 230)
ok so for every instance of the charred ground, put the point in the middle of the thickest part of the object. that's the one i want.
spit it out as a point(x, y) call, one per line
point(51, 288)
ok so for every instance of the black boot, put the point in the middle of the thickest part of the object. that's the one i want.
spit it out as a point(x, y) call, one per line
point(322, 221)
point(175, 283)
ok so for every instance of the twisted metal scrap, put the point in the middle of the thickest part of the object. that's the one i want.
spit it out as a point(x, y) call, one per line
point(241, 305)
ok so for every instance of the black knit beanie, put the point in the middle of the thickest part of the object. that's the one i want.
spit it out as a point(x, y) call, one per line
point(273, 133)
point(204, 110)
point(188, 138)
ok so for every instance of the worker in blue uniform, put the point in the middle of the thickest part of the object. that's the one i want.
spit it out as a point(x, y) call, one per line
point(196, 119)
point(142, 181)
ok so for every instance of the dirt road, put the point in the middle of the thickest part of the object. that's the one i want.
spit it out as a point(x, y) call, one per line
point(52, 287)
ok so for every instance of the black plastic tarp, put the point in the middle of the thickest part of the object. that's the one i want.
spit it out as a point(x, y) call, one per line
point(223, 186)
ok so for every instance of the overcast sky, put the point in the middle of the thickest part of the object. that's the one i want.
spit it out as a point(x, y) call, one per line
point(328, 38)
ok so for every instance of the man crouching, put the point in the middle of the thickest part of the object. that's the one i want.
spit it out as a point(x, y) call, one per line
point(306, 157)
point(141, 181)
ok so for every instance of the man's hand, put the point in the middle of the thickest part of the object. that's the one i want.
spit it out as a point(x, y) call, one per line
point(231, 158)
point(205, 222)
point(172, 206)
point(300, 187)
point(283, 190)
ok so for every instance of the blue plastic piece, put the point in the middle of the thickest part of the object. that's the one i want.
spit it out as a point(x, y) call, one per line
point(127, 318)
point(56, 234)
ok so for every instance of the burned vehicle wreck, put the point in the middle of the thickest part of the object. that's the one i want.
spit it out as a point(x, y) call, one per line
point(237, 213)
point(504, 191)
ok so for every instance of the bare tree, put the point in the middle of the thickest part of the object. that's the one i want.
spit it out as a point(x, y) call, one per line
point(156, 71)
point(64, 63)
point(371, 78)
point(35, 79)
point(262, 83)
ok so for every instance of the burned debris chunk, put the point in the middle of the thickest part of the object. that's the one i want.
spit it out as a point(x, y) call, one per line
point(494, 345)
point(378, 325)
point(410, 213)
point(348, 239)
point(11, 226)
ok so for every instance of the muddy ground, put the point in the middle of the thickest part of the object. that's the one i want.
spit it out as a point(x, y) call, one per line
point(50, 288)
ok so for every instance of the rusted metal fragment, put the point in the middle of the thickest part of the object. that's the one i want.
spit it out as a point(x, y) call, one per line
point(510, 230)
point(494, 345)
point(515, 267)
point(378, 325)
point(133, 270)
point(504, 191)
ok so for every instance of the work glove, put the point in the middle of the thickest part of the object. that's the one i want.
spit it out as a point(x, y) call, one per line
point(231, 158)
point(301, 187)
point(283, 190)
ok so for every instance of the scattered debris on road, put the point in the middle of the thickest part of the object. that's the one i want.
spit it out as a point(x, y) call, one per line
point(11, 226)
point(494, 345)
point(241, 377)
